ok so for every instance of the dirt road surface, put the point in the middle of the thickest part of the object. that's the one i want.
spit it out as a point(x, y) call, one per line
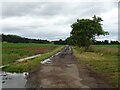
point(64, 71)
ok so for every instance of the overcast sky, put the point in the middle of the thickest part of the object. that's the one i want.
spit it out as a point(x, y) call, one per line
point(52, 20)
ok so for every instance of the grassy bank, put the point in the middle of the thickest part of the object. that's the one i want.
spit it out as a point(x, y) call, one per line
point(101, 59)
point(30, 64)
point(13, 51)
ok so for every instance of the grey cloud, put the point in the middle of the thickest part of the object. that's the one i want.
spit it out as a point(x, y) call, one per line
point(30, 8)
point(11, 29)
point(50, 10)
point(112, 36)
point(16, 9)
point(42, 34)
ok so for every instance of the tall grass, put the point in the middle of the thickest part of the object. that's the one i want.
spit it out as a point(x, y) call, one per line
point(101, 59)
point(105, 49)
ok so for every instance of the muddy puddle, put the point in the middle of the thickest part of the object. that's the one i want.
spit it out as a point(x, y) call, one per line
point(19, 80)
point(49, 60)
point(13, 80)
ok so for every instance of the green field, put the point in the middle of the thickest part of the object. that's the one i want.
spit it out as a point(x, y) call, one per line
point(103, 59)
point(30, 64)
point(13, 51)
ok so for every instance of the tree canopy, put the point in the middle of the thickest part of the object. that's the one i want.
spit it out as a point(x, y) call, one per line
point(84, 31)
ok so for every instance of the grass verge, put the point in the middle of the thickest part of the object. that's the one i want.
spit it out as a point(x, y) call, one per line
point(102, 60)
point(28, 65)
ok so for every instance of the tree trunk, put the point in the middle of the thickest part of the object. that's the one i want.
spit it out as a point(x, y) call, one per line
point(86, 48)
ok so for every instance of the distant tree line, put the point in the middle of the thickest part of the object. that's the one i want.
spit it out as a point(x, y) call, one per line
point(106, 42)
point(95, 42)
point(68, 42)
point(60, 42)
point(18, 39)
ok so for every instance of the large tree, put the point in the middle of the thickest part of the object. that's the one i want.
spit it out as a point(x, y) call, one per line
point(84, 31)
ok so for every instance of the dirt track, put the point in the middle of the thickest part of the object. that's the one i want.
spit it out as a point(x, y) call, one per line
point(64, 72)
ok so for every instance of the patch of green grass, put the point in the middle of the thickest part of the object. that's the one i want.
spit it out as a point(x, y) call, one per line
point(30, 64)
point(103, 60)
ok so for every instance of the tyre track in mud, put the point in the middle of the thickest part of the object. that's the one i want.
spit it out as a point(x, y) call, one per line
point(64, 71)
